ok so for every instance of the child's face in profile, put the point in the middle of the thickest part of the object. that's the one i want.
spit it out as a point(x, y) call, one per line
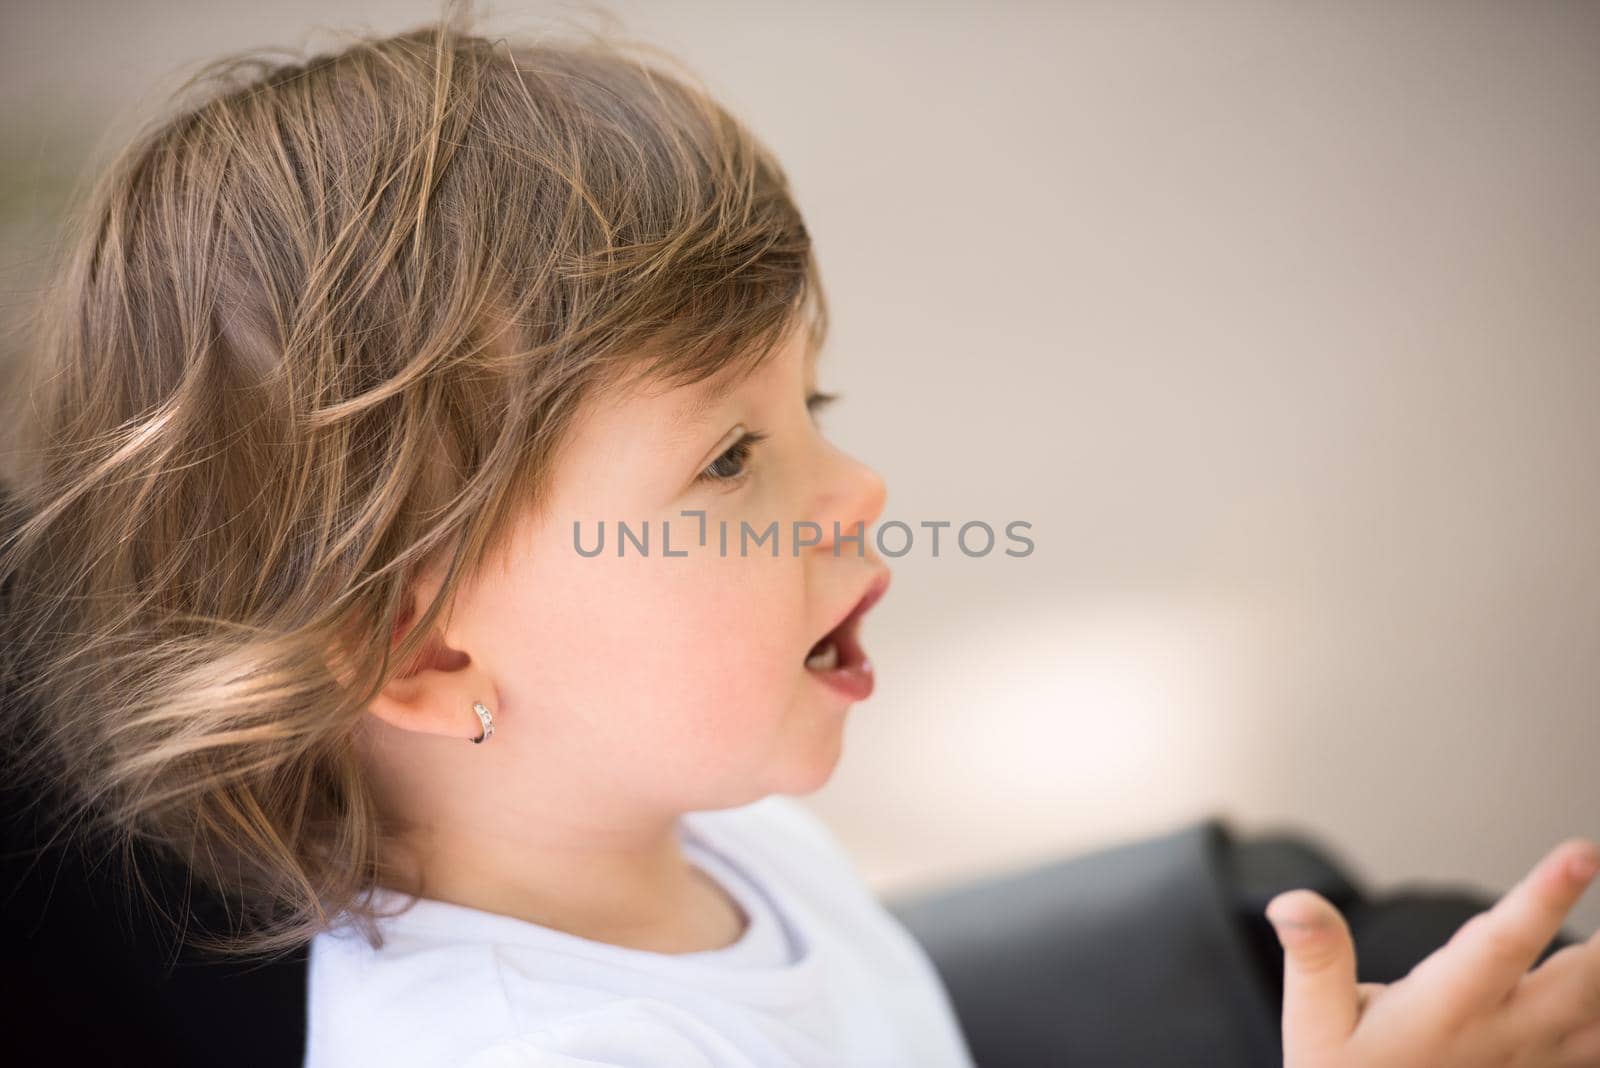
point(681, 682)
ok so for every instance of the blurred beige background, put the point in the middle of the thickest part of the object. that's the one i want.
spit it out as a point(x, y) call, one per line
point(1278, 322)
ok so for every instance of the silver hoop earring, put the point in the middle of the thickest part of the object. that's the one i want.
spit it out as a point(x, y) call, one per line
point(487, 719)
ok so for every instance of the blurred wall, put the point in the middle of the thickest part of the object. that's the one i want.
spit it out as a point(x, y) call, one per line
point(1277, 322)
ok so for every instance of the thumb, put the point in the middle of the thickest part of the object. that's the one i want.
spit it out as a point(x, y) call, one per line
point(1320, 998)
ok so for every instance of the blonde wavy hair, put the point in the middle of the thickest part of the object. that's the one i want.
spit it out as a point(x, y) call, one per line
point(325, 325)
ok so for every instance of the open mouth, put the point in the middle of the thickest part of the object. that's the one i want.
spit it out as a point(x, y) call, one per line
point(838, 648)
point(838, 658)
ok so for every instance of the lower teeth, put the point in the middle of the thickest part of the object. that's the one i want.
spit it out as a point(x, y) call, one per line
point(826, 660)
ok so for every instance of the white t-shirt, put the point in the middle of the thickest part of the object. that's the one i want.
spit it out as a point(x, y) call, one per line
point(822, 975)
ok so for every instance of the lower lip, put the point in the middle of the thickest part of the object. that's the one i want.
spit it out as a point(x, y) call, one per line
point(854, 683)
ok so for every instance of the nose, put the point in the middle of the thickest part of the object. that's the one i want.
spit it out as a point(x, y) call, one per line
point(852, 495)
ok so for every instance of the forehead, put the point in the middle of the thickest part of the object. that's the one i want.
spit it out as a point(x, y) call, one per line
point(699, 401)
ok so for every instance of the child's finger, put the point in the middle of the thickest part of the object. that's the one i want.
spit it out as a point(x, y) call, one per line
point(1321, 1001)
point(1562, 995)
point(1486, 959)
point(1581, 1049)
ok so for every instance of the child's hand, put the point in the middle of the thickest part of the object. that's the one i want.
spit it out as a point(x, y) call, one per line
point(1471, 1002)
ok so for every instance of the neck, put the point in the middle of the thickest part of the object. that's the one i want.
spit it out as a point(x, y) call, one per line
point(636, 890)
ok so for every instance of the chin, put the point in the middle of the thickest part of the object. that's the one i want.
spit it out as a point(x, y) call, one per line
point(809, 771)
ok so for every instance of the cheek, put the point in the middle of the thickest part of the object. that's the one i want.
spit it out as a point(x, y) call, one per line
point(714, 643)
point(698, 656)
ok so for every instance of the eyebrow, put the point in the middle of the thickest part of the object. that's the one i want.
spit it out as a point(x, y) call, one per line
point(696, 411)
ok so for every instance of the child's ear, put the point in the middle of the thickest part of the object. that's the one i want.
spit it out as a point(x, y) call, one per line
point(435, 691)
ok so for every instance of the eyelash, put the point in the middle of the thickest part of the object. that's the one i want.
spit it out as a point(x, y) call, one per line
point(741, 449)
point(739, 452)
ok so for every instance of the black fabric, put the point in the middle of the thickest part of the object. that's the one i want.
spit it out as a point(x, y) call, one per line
point(1156, 952)
point(1128, 956)
point(92, 976)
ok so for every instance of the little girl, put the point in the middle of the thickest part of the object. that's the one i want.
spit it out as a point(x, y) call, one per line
point(354, 363)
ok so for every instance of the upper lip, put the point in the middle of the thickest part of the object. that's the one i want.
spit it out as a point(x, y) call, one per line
point(874, 593)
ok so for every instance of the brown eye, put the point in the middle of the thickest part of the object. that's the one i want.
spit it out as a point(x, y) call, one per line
point(731, 465)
